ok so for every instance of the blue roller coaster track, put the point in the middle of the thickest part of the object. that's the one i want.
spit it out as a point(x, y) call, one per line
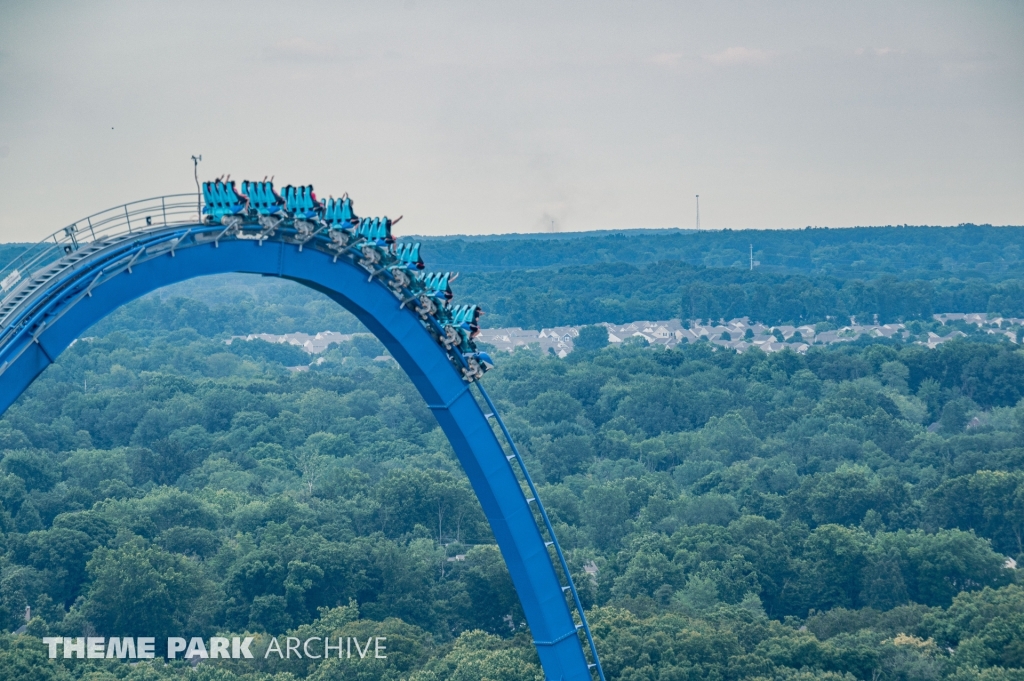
point(55, 290)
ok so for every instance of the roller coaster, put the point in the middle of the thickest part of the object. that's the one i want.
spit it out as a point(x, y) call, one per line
point(55, 290)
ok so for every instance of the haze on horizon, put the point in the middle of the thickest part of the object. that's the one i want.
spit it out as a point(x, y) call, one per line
point(523, 117)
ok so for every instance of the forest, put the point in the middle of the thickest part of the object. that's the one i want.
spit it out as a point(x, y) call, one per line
point(853, 513)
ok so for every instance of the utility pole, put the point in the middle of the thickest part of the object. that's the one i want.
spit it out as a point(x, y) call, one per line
point(199, 199)
point(698, 212)
point(751, 257)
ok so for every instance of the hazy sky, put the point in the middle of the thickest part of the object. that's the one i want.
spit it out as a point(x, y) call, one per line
point(483, 117)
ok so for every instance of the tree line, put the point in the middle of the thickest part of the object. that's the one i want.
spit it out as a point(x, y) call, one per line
point(620, 293)
point(965, 251)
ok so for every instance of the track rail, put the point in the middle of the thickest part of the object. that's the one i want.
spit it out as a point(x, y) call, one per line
point(41, 263)
point(547, 528)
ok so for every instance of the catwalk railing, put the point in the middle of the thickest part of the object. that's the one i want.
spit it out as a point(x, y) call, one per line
point(107, 225)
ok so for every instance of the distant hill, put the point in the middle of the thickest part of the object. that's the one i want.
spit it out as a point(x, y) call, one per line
point(624, 292)
point(539, 280)
point(9, 252)
point(966, 251)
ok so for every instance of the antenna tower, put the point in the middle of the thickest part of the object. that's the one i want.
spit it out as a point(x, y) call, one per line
point(195, 169)
point(698, 212)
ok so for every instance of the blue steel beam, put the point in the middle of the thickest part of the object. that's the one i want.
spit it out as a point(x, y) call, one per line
point(63, 313)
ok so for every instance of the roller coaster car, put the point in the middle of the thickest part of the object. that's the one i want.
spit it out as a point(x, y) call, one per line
point(269, 206)
point(263, 199)
point(469, 317)
point(302, 203)
point(408, 254)
point(341, 220)
point(377, 230)
point(477, 363)
point(305, 209)
point(408, 260)
point(376, 236)
point(339, 213)
point(434, 291)
point(461, 326)
point(439, 283)
point(223, 203)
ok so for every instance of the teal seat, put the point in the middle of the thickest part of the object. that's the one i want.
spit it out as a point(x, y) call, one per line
point(408, 254)
point(347, 209)
point(262, 197)
point(377, 230)
point(207, 195)
point(222, 200)
point(382, 230)
point(338, 213)
point(300, 203)
point(438, 284)
point(363, 230)
point(467, 317)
